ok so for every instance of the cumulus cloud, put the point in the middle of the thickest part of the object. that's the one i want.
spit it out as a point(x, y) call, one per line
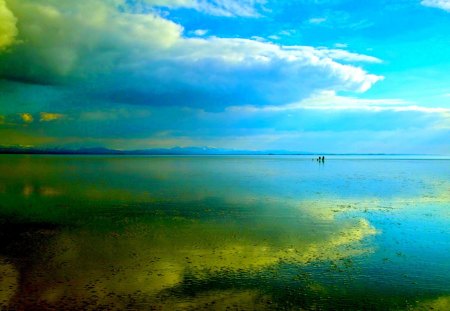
point(67, 39)
point(440, 4)
point(8, 29)
point(217, 72)
point(108, 51)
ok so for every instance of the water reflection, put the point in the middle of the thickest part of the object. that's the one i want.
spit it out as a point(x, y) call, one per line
point(189, 233)
point(147, 257)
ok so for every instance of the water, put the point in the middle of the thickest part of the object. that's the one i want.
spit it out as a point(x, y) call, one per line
point(224, 232)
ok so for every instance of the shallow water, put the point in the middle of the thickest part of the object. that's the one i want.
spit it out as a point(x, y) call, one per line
point(224, 232)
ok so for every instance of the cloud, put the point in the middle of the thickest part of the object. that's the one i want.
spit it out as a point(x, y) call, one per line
point(329, 100)
point(106, 51)
point(67, 40)
point(8, 29)
point(375, 114)
point(230, 8)
point(317, 20)
point(343, 55)
point(324, 122)
point(200, 32)
point(341, 45)
point(26, 117)
point(47, 116)
point(203, 73)
point(338, 19)
point(440, 4)
point(335, 54)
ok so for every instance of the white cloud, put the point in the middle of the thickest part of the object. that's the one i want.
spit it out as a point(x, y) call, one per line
point(329, 101)
point(200, 32)
point(341, 45)
point(274, 37)
point(317, 20)
point(287, 32)
point(244, 8)
point(440, 4)
point(280, 72)
point(336, 54)
point(8, 29)
point(91, 37)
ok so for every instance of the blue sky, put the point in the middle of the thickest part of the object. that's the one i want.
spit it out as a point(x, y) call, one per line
point(323, 75)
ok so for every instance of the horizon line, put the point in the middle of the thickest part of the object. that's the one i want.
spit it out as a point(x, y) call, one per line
point(208, 151)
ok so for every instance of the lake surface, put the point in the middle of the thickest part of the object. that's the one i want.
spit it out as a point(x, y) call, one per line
point(224, 233)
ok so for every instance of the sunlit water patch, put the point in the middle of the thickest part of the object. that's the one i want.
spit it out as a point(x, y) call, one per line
point(185, 233)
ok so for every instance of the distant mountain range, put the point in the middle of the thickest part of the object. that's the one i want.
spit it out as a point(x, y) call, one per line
point(155, 151)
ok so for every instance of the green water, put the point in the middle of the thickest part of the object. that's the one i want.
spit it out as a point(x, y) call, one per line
point(224, 232)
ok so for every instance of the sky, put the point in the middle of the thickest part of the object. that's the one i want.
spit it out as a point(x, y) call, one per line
point(342, 76)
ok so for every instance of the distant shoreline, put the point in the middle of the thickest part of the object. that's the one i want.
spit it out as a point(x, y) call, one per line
point(190, 152)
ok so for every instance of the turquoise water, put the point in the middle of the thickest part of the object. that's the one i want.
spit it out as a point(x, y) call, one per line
point(224, 232)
